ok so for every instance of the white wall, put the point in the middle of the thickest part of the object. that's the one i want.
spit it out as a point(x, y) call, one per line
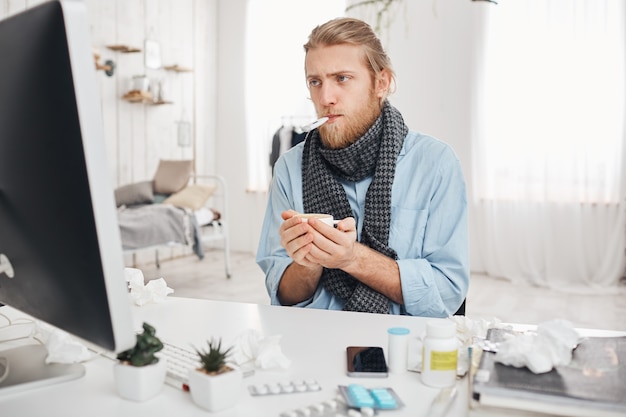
point(246, 208)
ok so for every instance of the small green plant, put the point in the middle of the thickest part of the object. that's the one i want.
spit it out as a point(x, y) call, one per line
point(213, 360)
point(142, 353)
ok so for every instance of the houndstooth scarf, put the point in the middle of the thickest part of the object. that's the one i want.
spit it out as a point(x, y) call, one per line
point(375, 153)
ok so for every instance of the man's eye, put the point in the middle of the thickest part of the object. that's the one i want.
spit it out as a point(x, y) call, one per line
point(313, 83)
point(342, 78)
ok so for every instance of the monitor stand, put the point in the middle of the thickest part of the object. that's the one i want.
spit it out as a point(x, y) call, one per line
point(24, 367)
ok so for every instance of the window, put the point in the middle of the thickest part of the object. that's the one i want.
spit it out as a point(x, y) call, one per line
point(551, 125)
point(549, 180)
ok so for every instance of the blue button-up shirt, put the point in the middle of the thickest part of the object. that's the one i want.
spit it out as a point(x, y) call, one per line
point(428, 227)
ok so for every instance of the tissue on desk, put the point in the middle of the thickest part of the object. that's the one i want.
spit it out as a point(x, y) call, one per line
point(250, 349)
point(551, 345)
point(155, 291)
point(62, 347)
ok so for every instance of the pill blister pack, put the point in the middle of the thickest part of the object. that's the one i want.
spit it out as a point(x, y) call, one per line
point(335, 407)
point(358, 396)
point(288, 387)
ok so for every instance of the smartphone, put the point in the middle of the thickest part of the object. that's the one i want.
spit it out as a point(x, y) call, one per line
point(366, 361)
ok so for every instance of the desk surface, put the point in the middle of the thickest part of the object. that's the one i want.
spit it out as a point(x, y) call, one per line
point(314, 341)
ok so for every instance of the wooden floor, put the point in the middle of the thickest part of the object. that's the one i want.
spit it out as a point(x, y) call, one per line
point(488, 298)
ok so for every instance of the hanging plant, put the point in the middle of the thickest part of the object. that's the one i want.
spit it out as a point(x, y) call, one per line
point(382, 11)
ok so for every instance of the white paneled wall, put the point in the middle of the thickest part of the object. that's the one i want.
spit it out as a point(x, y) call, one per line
point(138, 135)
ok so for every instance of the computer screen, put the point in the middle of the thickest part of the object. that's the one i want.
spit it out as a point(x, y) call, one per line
point(60, 247)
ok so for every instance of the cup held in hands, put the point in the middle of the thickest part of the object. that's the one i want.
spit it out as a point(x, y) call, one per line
point(326, 218)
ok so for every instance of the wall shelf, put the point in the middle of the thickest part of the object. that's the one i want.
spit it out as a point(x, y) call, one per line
point(136, 96)
point(177, 68)
point(123, 48)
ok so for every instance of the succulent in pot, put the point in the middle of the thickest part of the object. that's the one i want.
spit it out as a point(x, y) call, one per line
point(215, 385)
point(139, 374)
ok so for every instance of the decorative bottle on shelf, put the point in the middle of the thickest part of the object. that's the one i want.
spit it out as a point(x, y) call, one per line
point(439, 354)
point(140, 83)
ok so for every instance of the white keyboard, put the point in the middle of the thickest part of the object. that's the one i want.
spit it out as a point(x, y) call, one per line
point(179, 362)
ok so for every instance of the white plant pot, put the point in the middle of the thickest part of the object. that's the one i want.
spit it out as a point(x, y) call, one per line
point(139, 383)
point(215, 392)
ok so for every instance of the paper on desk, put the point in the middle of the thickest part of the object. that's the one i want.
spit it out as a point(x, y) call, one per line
point(551, 345)
point(155, 291)
point(251, 349)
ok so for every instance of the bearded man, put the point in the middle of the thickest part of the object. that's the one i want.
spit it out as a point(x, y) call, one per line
point(401, 243)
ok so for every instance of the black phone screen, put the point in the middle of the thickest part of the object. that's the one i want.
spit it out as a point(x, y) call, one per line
point(366, 361)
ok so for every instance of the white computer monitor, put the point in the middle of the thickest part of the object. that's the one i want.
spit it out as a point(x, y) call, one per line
point(61, 252)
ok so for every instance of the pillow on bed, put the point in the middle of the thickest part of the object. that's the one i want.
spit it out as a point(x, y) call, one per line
point(159, 198)
point(171, 176)
point(135, 193)
point(192, 196)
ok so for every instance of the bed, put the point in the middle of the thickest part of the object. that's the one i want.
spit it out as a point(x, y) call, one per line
point(176, 209)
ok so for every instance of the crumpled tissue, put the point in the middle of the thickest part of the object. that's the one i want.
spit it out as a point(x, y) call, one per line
point(551, 345)
point(62, 347)
point(155, 291)
point(252, 350)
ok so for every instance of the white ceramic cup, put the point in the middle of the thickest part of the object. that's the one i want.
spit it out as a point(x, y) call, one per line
point(326, 218)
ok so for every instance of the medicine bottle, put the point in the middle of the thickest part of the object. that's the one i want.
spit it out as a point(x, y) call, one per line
point(439, 354)
point(398, 349)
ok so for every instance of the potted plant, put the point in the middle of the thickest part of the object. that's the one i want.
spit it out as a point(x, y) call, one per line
point(139, 374)
point(215, 385)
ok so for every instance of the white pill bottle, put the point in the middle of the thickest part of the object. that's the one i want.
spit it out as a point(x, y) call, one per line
point(440, 354)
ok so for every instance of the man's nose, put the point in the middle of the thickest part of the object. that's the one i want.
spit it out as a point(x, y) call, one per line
point(328, 94)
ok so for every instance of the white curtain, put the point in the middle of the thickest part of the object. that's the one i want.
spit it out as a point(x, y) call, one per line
point(548, 152)
point(276, 90)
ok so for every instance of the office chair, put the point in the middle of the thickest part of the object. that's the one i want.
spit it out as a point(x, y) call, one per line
point(461, 310)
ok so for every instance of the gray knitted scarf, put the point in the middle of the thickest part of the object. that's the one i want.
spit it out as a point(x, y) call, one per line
point(375, 153)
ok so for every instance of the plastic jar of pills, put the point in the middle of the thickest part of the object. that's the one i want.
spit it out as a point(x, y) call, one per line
point(439, 354)
point(397, 350)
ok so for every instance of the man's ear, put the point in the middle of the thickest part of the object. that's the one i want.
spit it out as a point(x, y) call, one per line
point(383, 83)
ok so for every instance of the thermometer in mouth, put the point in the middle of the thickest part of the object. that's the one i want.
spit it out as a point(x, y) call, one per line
point(317, 123)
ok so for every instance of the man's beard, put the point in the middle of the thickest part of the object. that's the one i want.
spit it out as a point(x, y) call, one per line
point(353, 126)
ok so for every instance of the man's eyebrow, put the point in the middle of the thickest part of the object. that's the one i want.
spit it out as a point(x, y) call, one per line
point(332, 74)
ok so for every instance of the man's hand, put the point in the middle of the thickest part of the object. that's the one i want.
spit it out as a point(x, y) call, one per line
point(314, 245)
point(333, 247)
point(296, 237)
point(302, 276)
point(314, 242)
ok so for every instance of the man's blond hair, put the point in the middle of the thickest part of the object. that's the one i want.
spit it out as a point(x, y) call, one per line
point(346, 30)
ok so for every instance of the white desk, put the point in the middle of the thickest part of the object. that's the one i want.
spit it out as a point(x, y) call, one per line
point(314, 340)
